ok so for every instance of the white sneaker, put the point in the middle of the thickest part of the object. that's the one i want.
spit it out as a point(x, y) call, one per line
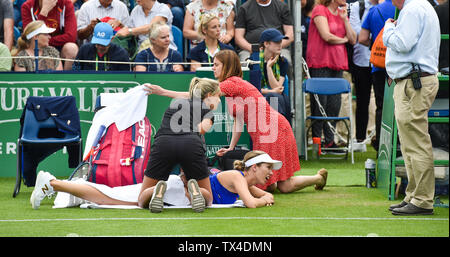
point(42, 189)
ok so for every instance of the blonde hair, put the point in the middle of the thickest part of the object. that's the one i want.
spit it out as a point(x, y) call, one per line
point(231, 64)
point(22, 42)
point(205, 20)
point(240, 165)
point(201, 87)
point(155, 29)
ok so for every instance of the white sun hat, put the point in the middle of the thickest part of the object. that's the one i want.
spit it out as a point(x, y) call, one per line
point(41, 30)
point(264, 158)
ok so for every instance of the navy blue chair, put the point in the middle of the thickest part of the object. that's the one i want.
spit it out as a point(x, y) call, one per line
point(330, 86)
point(178, 39)
point(16, 33)
point(44, 131)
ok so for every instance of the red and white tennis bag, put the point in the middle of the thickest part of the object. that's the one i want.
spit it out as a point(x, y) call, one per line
point(122, 157)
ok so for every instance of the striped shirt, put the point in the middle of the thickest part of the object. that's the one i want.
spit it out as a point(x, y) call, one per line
point(92, 9)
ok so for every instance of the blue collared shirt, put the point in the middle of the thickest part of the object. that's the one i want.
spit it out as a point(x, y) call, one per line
point(415, 39)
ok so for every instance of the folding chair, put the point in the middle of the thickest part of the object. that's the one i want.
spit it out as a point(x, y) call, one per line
point(47, 125)
point(329, 86)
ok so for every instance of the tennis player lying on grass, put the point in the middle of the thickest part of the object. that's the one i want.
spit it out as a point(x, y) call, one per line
point(227, 186)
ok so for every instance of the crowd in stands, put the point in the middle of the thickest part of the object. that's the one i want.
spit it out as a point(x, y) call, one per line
point(336, 37)
point(207, 26)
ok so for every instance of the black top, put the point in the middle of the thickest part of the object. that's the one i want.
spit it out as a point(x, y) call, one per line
point(183, 116)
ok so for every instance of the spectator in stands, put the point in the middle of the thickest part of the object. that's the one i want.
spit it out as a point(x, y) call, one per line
point(101, 48)
point(143, 17)
point(274, 68)
point(5, 58)
point(205, 51)
point(92, 12)
point(360, 69)
point(442, 12)
point(57, 14)
point(196, 9)
point(6, 23)
point(329, 31)
point(159, 51)
point(178, 9)
point(254, 16)
point(370, 28)
point(36, 31)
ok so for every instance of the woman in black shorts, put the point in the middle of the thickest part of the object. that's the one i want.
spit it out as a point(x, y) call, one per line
point(179, 141)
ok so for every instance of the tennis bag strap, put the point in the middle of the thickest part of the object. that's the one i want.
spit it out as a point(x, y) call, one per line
point(122, 156)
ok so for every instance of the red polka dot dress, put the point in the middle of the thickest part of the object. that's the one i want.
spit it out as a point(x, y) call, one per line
point(269, 130)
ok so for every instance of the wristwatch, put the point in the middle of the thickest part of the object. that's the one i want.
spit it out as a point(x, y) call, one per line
point(130, 31)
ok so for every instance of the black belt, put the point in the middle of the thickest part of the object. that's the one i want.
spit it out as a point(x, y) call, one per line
point(422, 74)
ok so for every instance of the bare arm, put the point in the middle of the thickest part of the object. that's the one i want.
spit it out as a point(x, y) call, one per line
point(18, 68)
point(157, 90)
point(8, 32)
point(188, 28)
point(144, 29)
point(251, 197)
point(238, 127)
point(140, 68)
point(273, 82)
point(350, 33)
point(230, 29)
point(195, 65)
point(240, 39)
point(364, 37)
point(324, 31)
point(178, 68)
point(289, 32)
point(204, 126)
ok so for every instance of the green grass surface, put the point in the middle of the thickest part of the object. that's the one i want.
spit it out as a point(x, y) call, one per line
point(344, 208)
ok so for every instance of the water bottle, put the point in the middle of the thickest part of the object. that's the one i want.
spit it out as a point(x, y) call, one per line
point(371, 178)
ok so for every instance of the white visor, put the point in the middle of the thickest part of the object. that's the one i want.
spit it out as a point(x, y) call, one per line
point(41, 30)
point(264, 158)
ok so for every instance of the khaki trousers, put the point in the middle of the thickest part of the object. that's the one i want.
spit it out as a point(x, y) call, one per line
point(411, 113)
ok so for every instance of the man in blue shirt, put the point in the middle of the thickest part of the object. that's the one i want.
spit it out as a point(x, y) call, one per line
point(412, 57)
point(371, 26)
point(101, 50)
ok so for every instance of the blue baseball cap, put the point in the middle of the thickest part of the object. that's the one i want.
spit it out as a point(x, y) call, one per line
point(103, 33)
point(273, 35)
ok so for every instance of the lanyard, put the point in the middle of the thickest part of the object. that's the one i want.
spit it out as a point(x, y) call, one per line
point(275, 69)
point(96, 63)
point(207, 52)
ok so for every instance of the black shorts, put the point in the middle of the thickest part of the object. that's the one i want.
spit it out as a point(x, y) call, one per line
point(168, 151)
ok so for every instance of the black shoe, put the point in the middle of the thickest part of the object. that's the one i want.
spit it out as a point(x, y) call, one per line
point(400, 205)
point(410, 209)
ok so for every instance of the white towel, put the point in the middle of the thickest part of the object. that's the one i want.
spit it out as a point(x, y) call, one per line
point(124, 109)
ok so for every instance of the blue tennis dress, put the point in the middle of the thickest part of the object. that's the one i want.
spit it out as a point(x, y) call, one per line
point(220, 194)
